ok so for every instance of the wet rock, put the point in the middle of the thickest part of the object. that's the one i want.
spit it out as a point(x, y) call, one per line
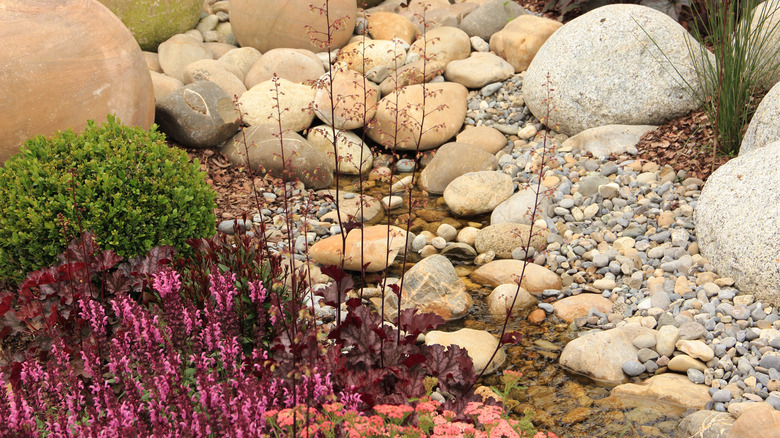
point(451, 161)
point(705, 424)
point(372, 245)
point(501, 298)
point(570, 308)
point(536, 280)
point(475, 193)
point(479, 344)
point(666, 388)
point(505, 237)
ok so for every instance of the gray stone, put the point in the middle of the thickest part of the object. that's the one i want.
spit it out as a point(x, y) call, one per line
point(605, 140)
point(744, 246)
point(520, 206)
point(722, 396)
point(614, 44)
point(198, 115)
point(633, 368)
point(490, 17)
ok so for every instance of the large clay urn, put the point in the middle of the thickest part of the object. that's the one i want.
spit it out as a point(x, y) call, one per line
point(154, 21)
point(65, 62)
point(272, 24)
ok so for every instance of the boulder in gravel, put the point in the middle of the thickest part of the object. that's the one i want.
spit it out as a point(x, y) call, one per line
point(570, 308)
point(488, 138)
point(480, 345)
point(705, 424)
point(764, 127)
point(600, 355)
point(295, 65)
point(744, 246)
point(362, 56)
point(520, 40)
point(451, 161)
point(605, 140)
point(475, 193)
point(606, 69)
point(432, 285)
point(490, 17)
point(478, 70)
point(519, 207)
point(199, 115)
point(760, 420)
point(536, 280)
point(445, 111)
point(505, 237)
point(766, 28)
point(364, 208)
point(301, 160)
point(259, 104)
point(413, 73)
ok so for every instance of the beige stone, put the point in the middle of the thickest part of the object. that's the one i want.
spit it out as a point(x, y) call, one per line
point(696, 349)
point(444, 44)
point(389, 25)
point(373, 244)
point(64, 63)
point(475, 193)
point(536, 280)
point(575, 306)
point(271, 24)
point(452, 160)
point(242, 57)
point(413, 73)
point(445, 110)
point(480, 345)
point(153, 61)
point(354, 156)
point(501, 298)
point(505, 237)
point(226, 76)
point(259, 105)
point(294, 65)
point(760, 420)
point(521, 38)
point(666, 388)
point(682, 363)
point(179, 51)
point(362, 56)
point(488, 138)
point(354, 99)
point(164, 85)
point(478, 70)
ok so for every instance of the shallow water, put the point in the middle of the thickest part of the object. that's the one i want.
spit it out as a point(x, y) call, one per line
point(563, 403)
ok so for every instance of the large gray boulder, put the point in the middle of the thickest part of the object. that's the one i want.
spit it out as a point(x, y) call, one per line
point(738, 222)
point(618, 64)
point(764, 127)
point(490, 17)
point(199, 115)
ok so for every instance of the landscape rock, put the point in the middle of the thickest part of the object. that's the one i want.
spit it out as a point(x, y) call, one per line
point(259, 105)
point(179, 51)
point(362, 56)
point(64, 63)
point(359, 208)
point(389, 25)
point(432, 285)
point(764, 28)
point(267, 25)
point(705, 424)
point(226, 76)
point(570, 308)
point(478, 70)
point(480, 345)
point(295, 65)
point(600, 355)
point(614, 44)
point(354, 157)
point(164, 85)
point(664, 389)
point(447, 118)
point(519, 208)
point(242, 57)
point(764, 127)
point(413, 73)
point(476, 193)
point(503, 238)
point(743, 246)
point(355, 99)
point(760, 420)
point(605, 140)
point(452, 160)
point(488, 138)
point(490, 17)
point(520, 39)
point(501, 298)
point(199, 115)
point(303, 161)
point(537, 278)
point(444, 44)
point(373, 243)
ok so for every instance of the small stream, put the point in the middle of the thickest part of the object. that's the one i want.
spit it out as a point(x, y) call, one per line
point(563, 403)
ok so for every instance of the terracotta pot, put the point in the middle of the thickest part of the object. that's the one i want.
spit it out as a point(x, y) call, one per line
point(65, 62)
point(272, 24)
point(154, 21)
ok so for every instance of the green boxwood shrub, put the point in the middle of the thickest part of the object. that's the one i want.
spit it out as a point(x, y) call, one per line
point(131, 189)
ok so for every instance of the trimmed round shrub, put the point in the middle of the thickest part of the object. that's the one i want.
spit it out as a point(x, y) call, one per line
point(124, 184)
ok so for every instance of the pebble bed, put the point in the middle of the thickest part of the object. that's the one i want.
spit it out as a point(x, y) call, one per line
point(599, 208)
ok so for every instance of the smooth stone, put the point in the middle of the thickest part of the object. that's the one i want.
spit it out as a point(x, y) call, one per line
point(259, 105)
point(570, 308)
point(681, 363)
point(536, 279)
point(505, 237)
point(479, 344)
point(501, 298)
point(294, 65)
point(476, 193)
point(488, 138)
point(367, 248)
point(452, 160)
point(609, 139)
point(666, 388)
